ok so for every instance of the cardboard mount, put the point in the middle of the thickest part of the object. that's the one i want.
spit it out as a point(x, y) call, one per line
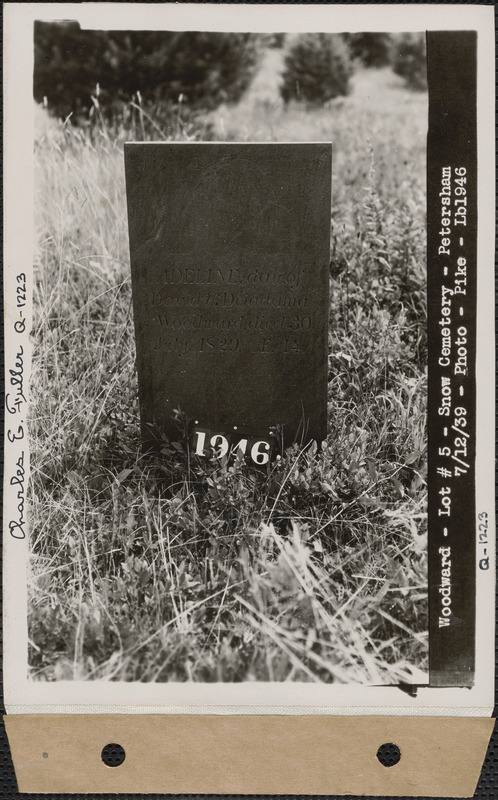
point(286, 755)
point(297, 754)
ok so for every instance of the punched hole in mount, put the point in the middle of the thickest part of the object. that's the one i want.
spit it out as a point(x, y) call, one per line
point(113, 755)
point(389, 754)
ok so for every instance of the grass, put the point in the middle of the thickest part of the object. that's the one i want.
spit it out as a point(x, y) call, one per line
point(163, 568)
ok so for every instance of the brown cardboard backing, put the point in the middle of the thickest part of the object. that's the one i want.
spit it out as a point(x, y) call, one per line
point(175, 754)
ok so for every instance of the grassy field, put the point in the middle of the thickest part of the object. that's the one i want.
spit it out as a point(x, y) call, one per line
point(164, 569)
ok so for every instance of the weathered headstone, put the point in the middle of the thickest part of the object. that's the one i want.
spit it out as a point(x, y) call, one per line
point(229, 249)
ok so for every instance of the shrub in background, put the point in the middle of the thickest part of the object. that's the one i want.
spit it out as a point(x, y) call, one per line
point(208, 68)
point(318, 67)
point(274, 40)
point(372, 49)
point(410, 61)
point(204, 68)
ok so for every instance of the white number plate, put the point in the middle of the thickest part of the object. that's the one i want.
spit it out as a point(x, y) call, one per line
point(210, 444)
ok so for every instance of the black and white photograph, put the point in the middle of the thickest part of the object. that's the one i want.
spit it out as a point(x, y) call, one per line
point(218, 403)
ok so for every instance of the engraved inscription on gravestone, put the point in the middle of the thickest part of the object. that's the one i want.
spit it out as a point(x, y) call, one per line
point(229, 248)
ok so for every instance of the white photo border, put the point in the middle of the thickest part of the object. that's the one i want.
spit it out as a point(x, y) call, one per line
point(23, 696)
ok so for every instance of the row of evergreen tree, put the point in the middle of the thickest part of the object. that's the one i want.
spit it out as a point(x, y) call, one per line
point(76, 69)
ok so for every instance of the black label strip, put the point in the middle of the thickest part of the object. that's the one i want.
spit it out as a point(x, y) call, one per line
point(451, 293)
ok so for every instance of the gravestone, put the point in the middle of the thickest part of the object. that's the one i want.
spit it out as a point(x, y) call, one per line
point(229, 247)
